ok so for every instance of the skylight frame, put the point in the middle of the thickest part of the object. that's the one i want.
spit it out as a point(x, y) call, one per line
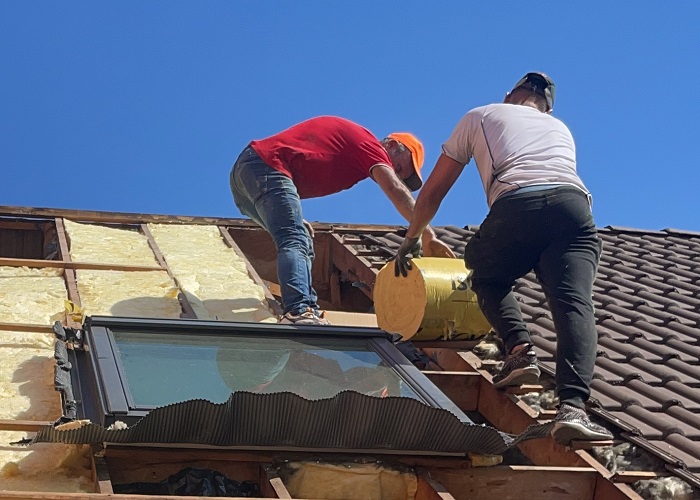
point(104, 397)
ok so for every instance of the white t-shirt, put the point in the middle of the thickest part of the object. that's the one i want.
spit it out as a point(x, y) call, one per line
point(514, 146)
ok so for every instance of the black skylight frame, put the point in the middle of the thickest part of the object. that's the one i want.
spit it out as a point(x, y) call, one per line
point(102, 394)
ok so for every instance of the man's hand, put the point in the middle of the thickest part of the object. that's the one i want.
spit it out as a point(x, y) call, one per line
point(436, 248)
point(402, 262)
point(433, 247)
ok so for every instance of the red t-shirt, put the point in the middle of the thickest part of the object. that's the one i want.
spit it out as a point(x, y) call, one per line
point(323, 155)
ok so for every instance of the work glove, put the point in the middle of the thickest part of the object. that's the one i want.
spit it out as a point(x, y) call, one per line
point(402, 262)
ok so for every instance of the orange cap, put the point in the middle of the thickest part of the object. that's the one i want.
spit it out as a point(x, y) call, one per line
point(415, 181)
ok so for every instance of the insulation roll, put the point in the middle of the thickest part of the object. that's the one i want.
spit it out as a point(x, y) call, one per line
point(433, 302)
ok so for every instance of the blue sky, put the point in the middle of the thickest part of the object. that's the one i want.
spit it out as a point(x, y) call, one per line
point(144, 106)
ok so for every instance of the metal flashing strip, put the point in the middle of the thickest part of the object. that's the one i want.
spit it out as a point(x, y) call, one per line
point(191, 326)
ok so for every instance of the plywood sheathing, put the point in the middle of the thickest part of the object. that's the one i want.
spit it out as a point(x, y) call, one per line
point(43, 467)
point(212, 276)
point(150, 294)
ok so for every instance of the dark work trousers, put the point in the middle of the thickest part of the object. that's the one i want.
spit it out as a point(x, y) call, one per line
point(551, 232)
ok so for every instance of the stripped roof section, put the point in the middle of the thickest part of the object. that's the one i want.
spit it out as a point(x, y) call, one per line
point(647, 299)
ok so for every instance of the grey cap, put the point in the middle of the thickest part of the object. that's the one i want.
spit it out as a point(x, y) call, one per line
point(540, 84)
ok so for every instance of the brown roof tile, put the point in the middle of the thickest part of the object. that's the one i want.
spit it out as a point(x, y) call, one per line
point(647, 298)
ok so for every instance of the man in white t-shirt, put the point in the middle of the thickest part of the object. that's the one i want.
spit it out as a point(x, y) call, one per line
point(539, 219)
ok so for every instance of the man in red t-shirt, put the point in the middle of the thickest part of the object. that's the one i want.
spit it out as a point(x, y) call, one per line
point(318, 157)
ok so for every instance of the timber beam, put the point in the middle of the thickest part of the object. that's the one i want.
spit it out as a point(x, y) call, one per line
point(353, 266)
point(470, 387)
point(187, 309)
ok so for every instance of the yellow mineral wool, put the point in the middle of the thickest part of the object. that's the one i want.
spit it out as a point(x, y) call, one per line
point(26, 378)
point(212, 276)
point(31, 296)
point(30, 272)
point(348, 481)
point(435, 301)
point(139, 294)
point(108, 245)
point(43, 467)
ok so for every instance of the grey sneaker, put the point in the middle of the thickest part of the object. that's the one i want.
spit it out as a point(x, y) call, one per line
point(573, 424)
point(518, 369)
point(308, 317)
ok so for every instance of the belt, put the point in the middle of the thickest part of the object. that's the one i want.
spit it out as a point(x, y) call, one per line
point(531, 189)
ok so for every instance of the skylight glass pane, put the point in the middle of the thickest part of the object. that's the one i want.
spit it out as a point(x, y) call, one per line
point(162, 369)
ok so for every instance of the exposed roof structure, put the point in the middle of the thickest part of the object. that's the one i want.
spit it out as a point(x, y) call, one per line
point(648, 320)
point(647, 299)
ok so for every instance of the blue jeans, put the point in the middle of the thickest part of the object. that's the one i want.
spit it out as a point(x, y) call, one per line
point(270, 198)
point(553, 233)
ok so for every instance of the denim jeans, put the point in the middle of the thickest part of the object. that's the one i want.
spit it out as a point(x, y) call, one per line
point(551, 232)
point(271, 200)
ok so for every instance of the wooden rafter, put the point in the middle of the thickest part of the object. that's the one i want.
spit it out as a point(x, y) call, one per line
point(471, 389)
point(68, 274)
point(352, 265)
point(100, 471)
point(187, 309)
point(271, 301)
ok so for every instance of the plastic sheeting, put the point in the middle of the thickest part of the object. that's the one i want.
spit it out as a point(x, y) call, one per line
point(194, 482)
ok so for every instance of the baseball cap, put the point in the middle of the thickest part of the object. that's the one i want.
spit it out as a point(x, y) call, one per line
point(414, 181)
point(540, 84)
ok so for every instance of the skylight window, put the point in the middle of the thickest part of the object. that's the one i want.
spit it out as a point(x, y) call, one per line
point(129, 366)
point(166, 368)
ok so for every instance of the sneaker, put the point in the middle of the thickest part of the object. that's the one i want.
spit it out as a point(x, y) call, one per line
point(518, 369)
point(308, 317)
point(572, 423)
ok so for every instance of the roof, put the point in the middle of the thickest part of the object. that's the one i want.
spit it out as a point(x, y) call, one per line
point(647, 300)
point(646, 295)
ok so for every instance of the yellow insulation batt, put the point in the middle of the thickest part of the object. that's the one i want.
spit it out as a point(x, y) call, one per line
point(349, 482)
point(212, 276)
point(43, 467)
point(141, 294)
point(26, 377)
point(108, 245)
point(138, 294)
point(31, 296)
point(433, 302)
